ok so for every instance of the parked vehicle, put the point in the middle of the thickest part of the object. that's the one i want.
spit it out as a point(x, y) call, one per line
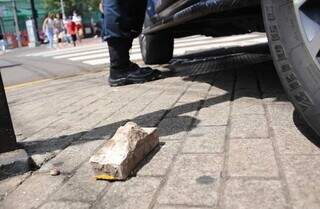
point(292, 26)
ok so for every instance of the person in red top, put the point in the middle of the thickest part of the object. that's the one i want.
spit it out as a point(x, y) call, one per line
point(72, 30)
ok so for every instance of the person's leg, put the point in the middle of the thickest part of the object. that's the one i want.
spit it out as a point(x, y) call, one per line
point(120, 29)
point(74, 39)
point(50, 37)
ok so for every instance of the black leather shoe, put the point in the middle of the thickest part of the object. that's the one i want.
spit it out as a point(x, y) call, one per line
point(132, 74)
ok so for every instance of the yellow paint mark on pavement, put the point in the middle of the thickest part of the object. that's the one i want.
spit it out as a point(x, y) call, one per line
point(22, 85)
point(105, 177)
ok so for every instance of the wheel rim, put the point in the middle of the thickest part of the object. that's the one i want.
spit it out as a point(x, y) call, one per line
point(308, 14)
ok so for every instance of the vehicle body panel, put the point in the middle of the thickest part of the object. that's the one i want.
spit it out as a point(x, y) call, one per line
point(169, 13)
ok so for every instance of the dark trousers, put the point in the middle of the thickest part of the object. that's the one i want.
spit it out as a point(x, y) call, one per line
point(123, 20)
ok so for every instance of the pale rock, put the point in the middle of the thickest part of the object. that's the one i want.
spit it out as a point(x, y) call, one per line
point(122, 153)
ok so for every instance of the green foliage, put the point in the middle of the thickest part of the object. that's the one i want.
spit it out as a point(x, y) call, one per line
point(83, 7)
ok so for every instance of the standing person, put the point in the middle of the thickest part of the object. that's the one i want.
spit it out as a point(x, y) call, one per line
point(3, 43)
point(123, 22)
point(58, 29)
point(77, 19)
point(48, 28)
point(72, 30)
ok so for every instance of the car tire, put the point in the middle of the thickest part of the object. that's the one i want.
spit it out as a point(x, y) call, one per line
point(296, 59)
point(156, 48)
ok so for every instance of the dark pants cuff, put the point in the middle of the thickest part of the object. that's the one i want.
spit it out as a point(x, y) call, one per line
point(119, 52)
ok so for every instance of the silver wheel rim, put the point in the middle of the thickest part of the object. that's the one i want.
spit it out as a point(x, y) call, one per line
point(308, 14)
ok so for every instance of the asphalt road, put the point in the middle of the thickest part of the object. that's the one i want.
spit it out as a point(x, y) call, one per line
point(18, 69)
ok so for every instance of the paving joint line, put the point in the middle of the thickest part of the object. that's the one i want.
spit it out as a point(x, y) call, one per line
point(174, 158)
point(224, 172)
point(281, 173)
point(179, 151)
point(69, 175)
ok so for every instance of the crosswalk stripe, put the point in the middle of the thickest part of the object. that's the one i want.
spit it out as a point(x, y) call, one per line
point(104, 53)
point(81, 53)
point(133, 57)
point(97, 53)
point(67, 50)
point(180, 51)
point(103, 45)
point(196, 42)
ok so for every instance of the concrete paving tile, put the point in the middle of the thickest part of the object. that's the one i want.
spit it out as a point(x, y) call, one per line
point(149, 119)
point(174, 128)
point(33, 192)
point(247, 102)
point(281, 114)
point(29, 126)
point(275, 98)
point(202, 83)
point(164, 102)
point(192, 95)
point(121, 96)
point(104, 130)
point(184, 109)
point(79, 105)
point(302, 174)
point(177, 207)
point(248, 194)
point(136, 106)
point(205, 140)
point(215, 111)
point(45, 149)
point(194, 180)
point(158, 162)
point(249, 106)
point(220, 88)
point(213, 116)
point(249, 126)
point(291, 141)
point(81, 187)
point(175, 80)
point(252, 157)
point(10, 184)
point(134, 193)
point(65, 205)
point(72, 156)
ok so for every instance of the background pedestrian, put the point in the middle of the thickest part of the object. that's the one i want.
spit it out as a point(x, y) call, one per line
point(58, 29)
point(77, 19)
point(72, 31)
point(48, 28)
point(3, 43)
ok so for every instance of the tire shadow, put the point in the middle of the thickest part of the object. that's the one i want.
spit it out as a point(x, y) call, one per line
point(305, 129)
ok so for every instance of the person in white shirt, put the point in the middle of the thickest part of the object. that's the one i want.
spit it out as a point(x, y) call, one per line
point(77, 19)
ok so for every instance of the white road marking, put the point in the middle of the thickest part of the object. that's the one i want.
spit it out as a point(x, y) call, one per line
point(97, 54)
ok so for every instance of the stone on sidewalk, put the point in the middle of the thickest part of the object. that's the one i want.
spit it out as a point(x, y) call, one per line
point(122, 153)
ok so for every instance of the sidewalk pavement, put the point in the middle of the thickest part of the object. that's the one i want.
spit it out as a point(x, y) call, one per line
point(229, 139)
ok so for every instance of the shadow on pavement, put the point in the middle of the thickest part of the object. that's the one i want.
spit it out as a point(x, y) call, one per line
point(305, 129)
